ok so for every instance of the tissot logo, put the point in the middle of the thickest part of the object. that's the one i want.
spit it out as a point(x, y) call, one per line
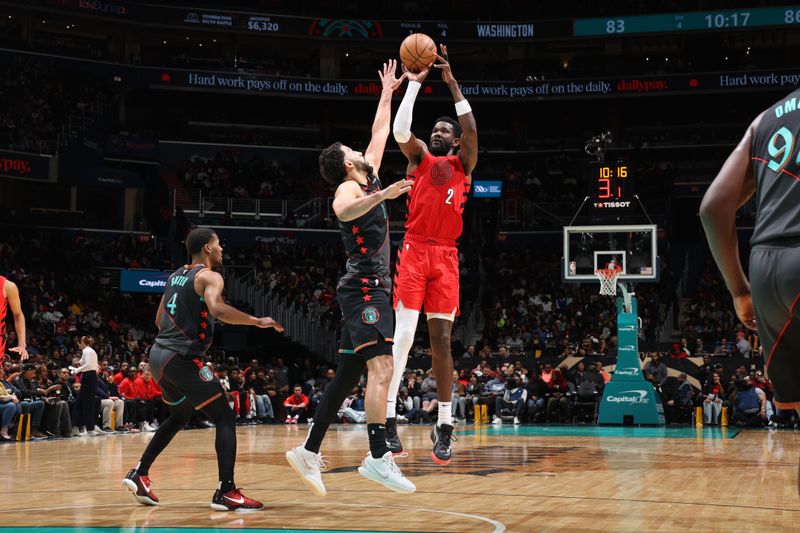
point(611, 205)
point(631, 397)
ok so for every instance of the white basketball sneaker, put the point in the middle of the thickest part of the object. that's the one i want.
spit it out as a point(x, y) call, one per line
point(309, 465)
point(385, 472)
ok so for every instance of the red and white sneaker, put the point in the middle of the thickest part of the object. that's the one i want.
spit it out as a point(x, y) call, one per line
point(140, 488)
point(234, 500)
point(288, 420)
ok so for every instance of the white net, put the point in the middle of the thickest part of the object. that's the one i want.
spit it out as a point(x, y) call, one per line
point(608, 281)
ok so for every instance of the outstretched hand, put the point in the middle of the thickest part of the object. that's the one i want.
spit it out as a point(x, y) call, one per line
point(23, 352)
point(416, 76)
point(387, 76)
point(398, 188)
point(267, 322)
point(444, 65)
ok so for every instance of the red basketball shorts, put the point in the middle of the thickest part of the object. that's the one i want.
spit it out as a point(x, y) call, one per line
point(427, 276)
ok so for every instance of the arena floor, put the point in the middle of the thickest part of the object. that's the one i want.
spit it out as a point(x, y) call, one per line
point(520, 479)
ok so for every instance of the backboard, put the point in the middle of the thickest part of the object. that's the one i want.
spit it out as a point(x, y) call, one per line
point(632, 248)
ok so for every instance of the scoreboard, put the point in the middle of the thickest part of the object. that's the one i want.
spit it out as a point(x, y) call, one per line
point(611, 185)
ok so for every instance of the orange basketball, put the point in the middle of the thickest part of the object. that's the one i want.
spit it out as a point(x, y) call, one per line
point(417, 52)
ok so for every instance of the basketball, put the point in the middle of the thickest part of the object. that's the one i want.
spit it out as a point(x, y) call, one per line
point(417, 52)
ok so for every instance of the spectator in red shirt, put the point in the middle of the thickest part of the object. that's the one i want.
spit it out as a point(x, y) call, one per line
point(134, 406)
point(296, 405)
point(149, 394)
point(677, 352)
point(123, 372)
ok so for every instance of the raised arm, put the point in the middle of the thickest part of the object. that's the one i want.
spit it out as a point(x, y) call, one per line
point(209, 284)
point(412, 148)
point(732, 187)
point(468, 144)
point(12, 295)
point(380, 126)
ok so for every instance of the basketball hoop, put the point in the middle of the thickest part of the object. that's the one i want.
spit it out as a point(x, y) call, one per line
point(608, 280)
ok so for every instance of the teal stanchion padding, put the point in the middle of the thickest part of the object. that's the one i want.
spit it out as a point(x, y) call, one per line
point(628, 394)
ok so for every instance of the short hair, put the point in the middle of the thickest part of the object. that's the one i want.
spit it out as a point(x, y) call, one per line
point(198, 238)
point(331, 164)
point(457, 131)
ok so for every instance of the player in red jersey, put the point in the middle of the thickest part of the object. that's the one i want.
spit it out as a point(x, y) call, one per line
point(9, 297)
point(427, 262)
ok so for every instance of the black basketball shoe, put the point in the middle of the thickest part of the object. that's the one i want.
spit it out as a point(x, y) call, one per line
point(392, 438)
point(442, 436)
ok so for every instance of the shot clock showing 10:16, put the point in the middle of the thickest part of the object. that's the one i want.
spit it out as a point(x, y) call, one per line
point(689, 21)
point(611, 184)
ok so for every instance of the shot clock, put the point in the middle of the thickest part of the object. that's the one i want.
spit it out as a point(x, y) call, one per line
point(611, 185)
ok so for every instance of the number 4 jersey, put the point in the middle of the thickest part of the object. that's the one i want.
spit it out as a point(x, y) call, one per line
point(186, 325)
point(776, 166)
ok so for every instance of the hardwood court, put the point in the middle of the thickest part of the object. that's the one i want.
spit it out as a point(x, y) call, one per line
point(524, 479)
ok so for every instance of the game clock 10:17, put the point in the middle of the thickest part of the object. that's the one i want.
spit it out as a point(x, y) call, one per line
point(610, 185)
point(689, 21)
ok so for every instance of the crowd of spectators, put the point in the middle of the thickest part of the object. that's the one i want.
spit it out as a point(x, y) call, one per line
point(228, 175)
point(67, 292)
point(746, 394)
point(530, 311)
point(709, 323)
point(38, 99)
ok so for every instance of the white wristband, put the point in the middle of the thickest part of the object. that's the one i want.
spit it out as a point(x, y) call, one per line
point(462, 108)
point(413, 89)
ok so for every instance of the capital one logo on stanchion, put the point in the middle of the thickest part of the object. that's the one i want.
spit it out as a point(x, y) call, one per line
point(632, 397)
point(631, 371)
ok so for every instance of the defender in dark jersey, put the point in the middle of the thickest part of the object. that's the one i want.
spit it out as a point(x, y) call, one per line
point(185, 319)
point(427, 263)
point(9, 298)
point(363, 294)
point(766, 162)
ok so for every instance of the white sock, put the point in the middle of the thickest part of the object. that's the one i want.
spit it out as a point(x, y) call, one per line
point(445, 414)
point(391, 412)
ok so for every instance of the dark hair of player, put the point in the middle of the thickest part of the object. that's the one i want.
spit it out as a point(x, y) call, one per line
point(198, 238)
point(453, 122)
point(331, 164)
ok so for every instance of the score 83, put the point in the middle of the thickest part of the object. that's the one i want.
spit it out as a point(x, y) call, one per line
point(604, 176)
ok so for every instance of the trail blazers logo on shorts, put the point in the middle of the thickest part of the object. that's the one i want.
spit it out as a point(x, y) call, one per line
point(370, 315)
point(206, 374)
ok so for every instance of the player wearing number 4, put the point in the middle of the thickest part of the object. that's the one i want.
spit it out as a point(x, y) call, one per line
point(427, 262)
point(185, 320)
point(766, 162)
